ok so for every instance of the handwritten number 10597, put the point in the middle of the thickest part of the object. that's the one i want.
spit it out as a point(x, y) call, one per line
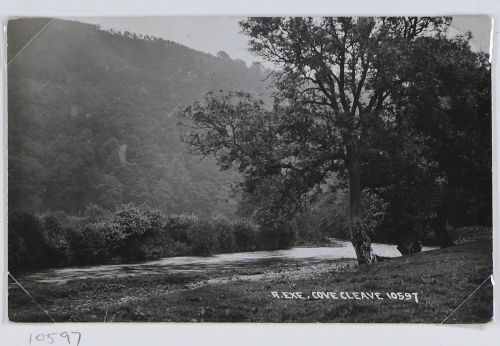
point(71, 338)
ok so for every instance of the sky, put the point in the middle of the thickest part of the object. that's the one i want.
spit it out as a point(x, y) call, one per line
point(212, 34)
point(206, 34)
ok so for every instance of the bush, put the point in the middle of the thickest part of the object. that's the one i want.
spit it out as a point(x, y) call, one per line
point(130, 233)
point(287, 234)
point(172, 248)
point(176, 227)
point(201, 237)
point(131, 222)
point(27, 242)
point(59, 249)
point(91, 242)
point(134, 233)
point(225, 239)
point(275, 235)
point(267, 237)
point(246, 236)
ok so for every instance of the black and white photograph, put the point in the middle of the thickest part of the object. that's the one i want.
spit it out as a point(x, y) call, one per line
point(250, 169)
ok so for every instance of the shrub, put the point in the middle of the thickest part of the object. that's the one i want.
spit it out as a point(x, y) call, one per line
point(136, 232)
point(201, 237)
point(131, 221)
point(130, 233)
point(150, 248)
point(176, 227)
point(245, 236)
point(287, 234)
point(90, 243)
point(277, 235)
point(59, 249)
point(156, 219)
point(27, 242)
point(225, 239)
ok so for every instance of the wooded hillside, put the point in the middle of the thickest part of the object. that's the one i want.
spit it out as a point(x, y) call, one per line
point(92, 120)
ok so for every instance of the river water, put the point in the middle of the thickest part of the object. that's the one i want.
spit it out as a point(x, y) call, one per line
point(340, 250)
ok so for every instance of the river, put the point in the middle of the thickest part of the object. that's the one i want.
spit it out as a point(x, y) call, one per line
point(340, 250)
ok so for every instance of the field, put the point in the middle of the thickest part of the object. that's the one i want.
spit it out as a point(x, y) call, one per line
point(442, 280)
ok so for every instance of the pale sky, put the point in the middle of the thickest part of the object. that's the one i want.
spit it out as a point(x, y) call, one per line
point(206, 34)
point(212, 34)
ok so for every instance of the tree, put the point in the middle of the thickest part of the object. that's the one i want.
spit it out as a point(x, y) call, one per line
point(334, 86)
point(66, 129)
point(453, 111)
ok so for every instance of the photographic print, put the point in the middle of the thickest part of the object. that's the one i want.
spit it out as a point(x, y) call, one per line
point(253, 169)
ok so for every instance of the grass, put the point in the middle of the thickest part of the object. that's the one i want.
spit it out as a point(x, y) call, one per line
point(442, 278)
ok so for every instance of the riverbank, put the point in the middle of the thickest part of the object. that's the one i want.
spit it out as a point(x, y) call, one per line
point(441, 278)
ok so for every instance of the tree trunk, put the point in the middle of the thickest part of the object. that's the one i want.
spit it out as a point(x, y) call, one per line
point(443, 237)
point(360, 240)
point(409, 241)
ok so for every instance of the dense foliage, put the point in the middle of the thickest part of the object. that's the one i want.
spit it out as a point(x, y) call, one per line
point(393, 108)
point(94, 133)
point(92, 120)
point(128, 234)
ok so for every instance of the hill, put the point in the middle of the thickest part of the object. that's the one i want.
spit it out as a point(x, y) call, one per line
point(92, 119)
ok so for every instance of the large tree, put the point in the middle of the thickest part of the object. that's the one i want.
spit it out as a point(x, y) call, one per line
point(334, 80)
point(451, 109)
